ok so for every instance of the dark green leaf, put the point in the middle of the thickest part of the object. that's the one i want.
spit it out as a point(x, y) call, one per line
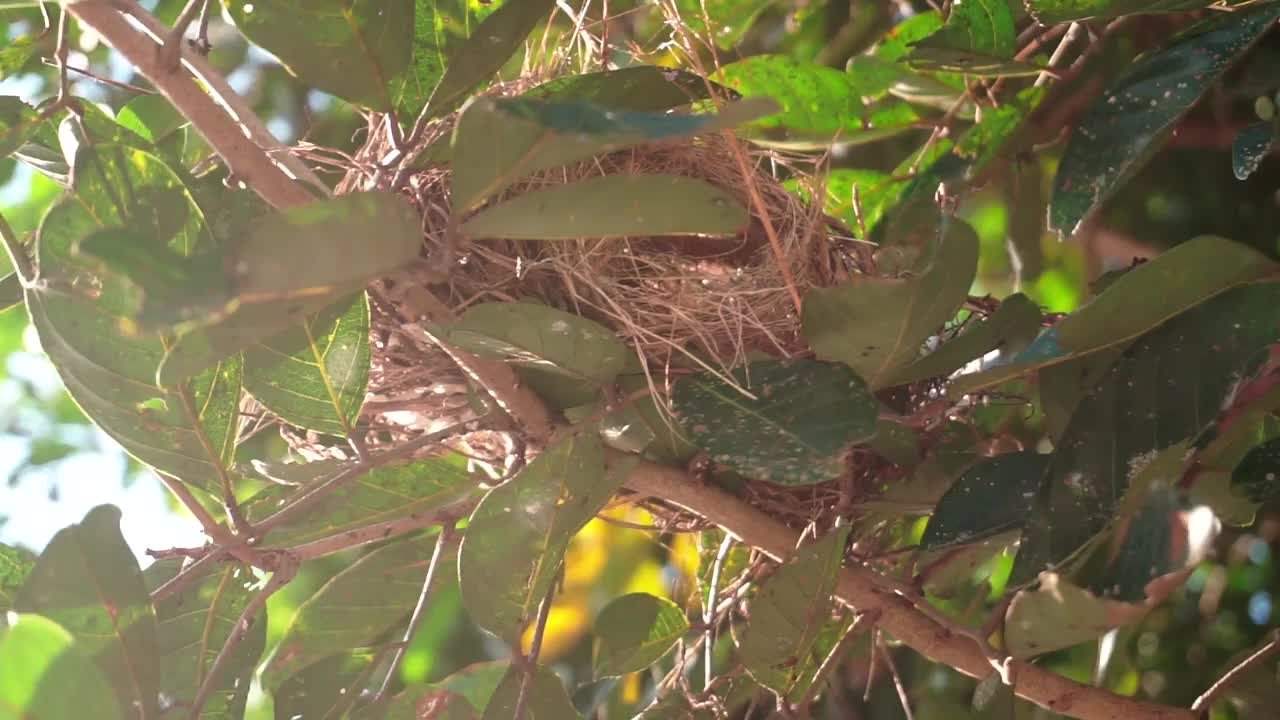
point(1168, 387)
point(614, 206)
point(517, 536)
point(1138, 300)
point(15, 565)
point(1063, 385)
point(877, 325)
point(18, 122)
point(1257, 476)
point(350, 48)
point(642, 88)
point(1123, 128)
point(634, 632)
point(326, 690)
point(47, 677)
point(1250, 147)
point(368, 598)
point(194, 624)
point(88, 581)
point(485, 52)
point(992, 497)
point(533, 335)
point(497, 142)
point(794, 429)
point(314, 376)
point(787, 614)
point(456, 697)
point(380, 495)
point(1051, 12)
point(1009, 329)
point(546, 697)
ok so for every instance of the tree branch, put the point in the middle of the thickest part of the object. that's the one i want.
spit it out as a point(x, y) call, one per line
point(1204, 703)
point(226, 123)
point(867, 591)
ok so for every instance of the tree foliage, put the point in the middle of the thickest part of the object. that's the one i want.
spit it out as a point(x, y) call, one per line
point(663, 360)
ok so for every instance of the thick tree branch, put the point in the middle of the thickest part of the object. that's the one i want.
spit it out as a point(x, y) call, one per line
point(867, 591)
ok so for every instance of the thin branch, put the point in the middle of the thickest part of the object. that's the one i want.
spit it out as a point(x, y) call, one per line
point(285, 571)
point(903, 698)
point(708, 613)
point(419, 611)
point(216, 532)
point(381, 531)
point(530, 661)
point(1205, 702)
point(837, 653)
point(188, 575)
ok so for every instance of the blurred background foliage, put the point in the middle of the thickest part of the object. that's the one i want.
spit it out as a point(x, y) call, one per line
point(49, 450)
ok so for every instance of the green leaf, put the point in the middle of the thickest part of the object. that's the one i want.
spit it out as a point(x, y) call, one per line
point(380, 495)
point(989, 139)
point(641, 88)
point(978, 38)
point(456, 697)
point(366, 599)
point(314, 376)
point(152, 117)
point(1052, 12)
point(485, 52)
point(538, 336)
point(18, 122)
point(15, 565)
point(16, 53)
point(1173, 282)
point(194, 624)
point(439, 28)
point(46, 675)
point(1122, 129)
point(730, 20)
point(876, 325)
point(795, 429)
point(546, 697)
point(1062, 386)
point(517, 536)
point(1249, 148)
point(497, 142)
point(293, 263)
point(614, 206)
point(634, 632)
point(1009, 329)
point(350, 48)
point(1257, 477)
point(88, 581)
point(1168, 387)
point(787, 614)
point(940, 57)
point(1058, 615)
point(327, 690)
point(992, 497)
point(818, 102)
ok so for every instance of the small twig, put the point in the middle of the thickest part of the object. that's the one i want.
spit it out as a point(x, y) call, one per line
point(171, 50)
point(381, 531)
point(837, 653)
point(1205, 702)
point(1074, 31)
point(418, 611)
point(897, 681)
point(708, 613)
point(530, 661)
point(216, 531)
point(188, 575)
point(60, 53)
point(99, 79)
point(285, 570)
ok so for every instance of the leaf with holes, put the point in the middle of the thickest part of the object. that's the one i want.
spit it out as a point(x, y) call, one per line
point(15, 565)
point(537, 336)
point(634, 632)
point(314, 375)
point(613, 206)
point(88, 581)
point(1124, 127)
point(877, 325)
point(186, 430)
point(366, 599)
point(350, 48)
point(1174, 281)
point(788, 613)
point(46, 677)
point(795, 426)
point(498, 141)
point(490, 45)
point(379, 495)
point(1167, 387)
point(194, 624)
point(516, 539)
